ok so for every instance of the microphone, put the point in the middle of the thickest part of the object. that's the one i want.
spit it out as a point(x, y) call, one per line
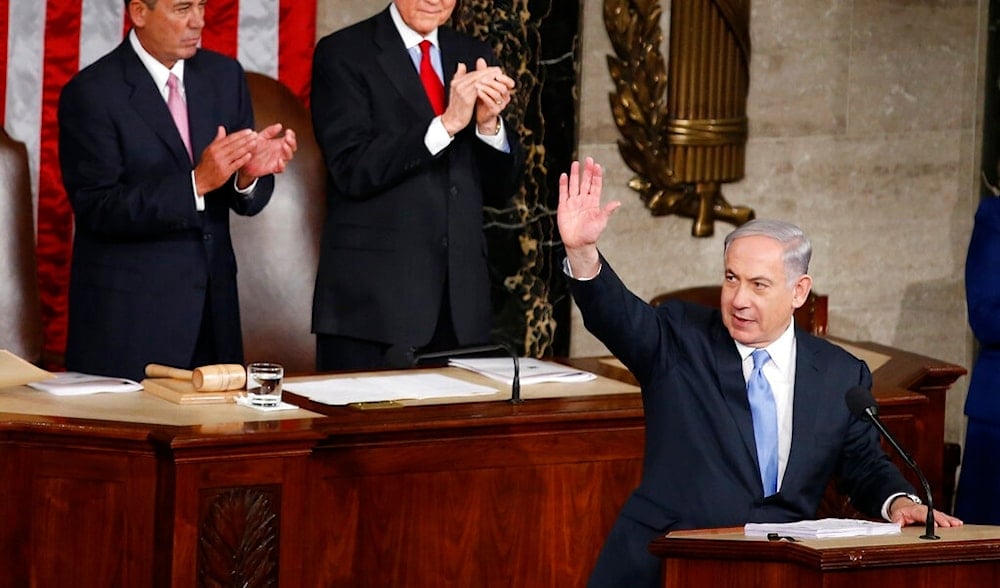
point(515, 384)
point(862, 404)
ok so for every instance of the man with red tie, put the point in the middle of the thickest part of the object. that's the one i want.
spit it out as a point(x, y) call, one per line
point(156, 144)
point(407, 113)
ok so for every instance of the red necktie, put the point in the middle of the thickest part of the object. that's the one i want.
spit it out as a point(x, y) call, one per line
point(432, 84)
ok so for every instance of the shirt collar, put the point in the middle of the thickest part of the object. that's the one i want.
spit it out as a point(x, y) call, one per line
point(780, 350)
point(411, 38)
point(156, 69)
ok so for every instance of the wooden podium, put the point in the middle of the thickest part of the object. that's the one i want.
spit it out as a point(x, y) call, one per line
point(964, 557)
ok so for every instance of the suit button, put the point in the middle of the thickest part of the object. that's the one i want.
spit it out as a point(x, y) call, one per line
point(444, 242)
point(207, 236)
point(453, 191)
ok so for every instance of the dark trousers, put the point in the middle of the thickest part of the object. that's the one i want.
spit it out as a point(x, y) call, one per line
point(340, 353)
point(205, 349)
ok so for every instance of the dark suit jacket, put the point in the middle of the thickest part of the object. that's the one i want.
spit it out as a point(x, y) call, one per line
point(144, 260)
point(979, 482)
point(700, 465)
point(401, 223)
point(982, 293)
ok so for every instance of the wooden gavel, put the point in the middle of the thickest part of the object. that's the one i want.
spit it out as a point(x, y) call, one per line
point(208, 378)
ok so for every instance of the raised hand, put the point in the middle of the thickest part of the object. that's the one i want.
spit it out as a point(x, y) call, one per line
point(580, 216)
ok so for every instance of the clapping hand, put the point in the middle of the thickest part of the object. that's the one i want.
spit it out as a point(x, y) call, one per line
point(270, 153)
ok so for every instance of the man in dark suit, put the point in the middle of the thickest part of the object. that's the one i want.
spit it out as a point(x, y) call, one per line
point(154, 276)
point(403, 256)
point(696, 369)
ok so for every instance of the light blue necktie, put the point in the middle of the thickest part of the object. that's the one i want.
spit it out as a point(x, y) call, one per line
point(765, 422)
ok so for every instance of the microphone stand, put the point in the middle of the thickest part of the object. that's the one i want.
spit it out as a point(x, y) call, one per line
point(515, 385)
point(872, 413)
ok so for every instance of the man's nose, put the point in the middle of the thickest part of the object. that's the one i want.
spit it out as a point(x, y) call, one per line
point(197, 20)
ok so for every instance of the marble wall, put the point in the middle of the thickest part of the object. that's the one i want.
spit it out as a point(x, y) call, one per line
point(864, 129)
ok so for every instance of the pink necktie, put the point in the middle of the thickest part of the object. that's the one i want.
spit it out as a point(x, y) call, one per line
point(178, 110)
point(432, 83)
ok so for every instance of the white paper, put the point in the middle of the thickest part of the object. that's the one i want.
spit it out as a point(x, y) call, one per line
point(531, 370)
point(75, 384)
point(342, 391)
point(822, 528)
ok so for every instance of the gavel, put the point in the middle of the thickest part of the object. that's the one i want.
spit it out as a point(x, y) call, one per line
point(208, 378)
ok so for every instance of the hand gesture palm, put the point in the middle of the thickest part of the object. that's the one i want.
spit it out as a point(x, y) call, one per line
point(580, 215)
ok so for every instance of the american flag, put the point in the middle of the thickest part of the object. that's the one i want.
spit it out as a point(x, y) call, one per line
point(44, 42)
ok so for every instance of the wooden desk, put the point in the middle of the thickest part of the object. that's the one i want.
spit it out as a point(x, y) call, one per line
point(963, 557)
point(473, 494)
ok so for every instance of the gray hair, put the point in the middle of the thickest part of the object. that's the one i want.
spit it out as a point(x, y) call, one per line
point(798, 249)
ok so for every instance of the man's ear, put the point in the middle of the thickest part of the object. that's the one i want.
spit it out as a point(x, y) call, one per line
point(137, 11)
point(801, 289)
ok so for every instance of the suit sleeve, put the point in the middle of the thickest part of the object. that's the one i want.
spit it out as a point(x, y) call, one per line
point(865, 471)
point(618, 318)
point(252, 203)
point(369, 141)
point(982, 286)
point(372, 138)
point(121, 180)
point(503, 169)
point(105, 199)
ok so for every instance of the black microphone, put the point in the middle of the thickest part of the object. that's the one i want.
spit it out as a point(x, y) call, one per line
point(862, 404)
point(515, 384)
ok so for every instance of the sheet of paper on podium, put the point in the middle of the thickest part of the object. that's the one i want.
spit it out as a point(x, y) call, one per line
point(822, 529)
point(531, 370)
point(344, 391)
point(77, 384)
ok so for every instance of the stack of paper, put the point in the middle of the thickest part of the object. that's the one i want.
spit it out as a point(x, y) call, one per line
point(75, 383)
point(822, 529)
point(532, 371)
point(340, 391)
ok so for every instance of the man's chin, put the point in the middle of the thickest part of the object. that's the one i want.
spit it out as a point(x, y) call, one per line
point(746, 337)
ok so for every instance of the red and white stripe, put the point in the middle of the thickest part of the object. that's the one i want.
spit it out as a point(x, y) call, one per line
point(44, 42)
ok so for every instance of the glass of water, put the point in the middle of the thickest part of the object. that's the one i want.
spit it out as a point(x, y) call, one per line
point(264, 384)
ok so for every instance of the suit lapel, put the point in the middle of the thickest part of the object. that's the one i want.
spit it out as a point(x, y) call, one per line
point(807, 396)
point(450, 56)
point(201, 99)
point(734, 390)
point(398, 67)
point(149, 104)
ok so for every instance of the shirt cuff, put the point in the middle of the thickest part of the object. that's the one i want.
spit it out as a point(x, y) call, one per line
point(246, 192)
point(498, 140)
point(437, 138)
point(199, 200)
point(569, 271)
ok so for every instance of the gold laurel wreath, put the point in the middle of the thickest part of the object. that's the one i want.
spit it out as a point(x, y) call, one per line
point(641, 113)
